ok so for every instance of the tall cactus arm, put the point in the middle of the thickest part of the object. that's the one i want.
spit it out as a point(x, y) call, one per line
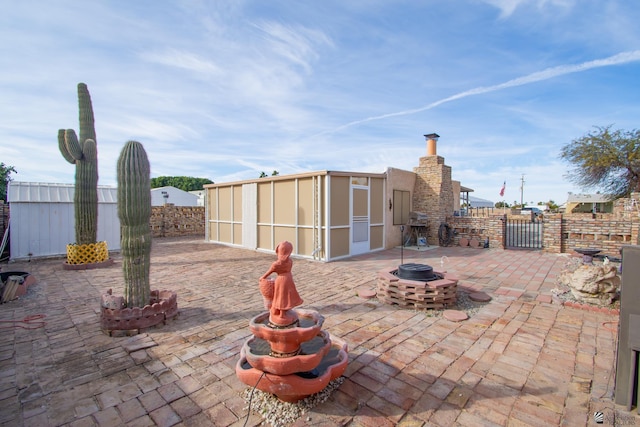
point(90, 152)
point(85, 108)
point(69, 145)
point(63, 147)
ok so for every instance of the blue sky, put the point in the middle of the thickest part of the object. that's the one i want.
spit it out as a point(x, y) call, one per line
point(227, 89)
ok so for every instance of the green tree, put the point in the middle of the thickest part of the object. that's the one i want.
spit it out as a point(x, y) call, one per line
point(606, 159)
point(502, 205)
point(264, 174)
point(185, 183)
point(5, 172)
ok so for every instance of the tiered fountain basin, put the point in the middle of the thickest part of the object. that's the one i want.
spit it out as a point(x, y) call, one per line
point(259, 355)
point(437, 292)
point(292, 362)
point(287, 340)
point(294, 387)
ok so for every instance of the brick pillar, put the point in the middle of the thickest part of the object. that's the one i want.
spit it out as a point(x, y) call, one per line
point(433, 193)
point(552, 238)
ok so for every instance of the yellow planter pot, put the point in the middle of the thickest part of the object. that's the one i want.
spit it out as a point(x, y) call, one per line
point(87, 254)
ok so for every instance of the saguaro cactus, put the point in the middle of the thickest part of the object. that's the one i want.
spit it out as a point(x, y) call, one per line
point(84, 154)
point(134, 211)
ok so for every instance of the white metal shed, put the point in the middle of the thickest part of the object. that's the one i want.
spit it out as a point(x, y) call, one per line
point(42, 218)
point(173, 195)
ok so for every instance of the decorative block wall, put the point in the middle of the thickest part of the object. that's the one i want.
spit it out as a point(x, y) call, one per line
point(173, 221)
point(561, 233)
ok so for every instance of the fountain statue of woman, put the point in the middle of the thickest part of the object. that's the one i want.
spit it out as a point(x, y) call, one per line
point(281, 291)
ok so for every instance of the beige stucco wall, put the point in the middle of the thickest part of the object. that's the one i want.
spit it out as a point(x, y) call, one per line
point(397, 179)
point(455, 185)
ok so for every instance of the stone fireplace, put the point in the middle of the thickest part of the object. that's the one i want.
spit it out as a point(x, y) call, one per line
point(433, 190)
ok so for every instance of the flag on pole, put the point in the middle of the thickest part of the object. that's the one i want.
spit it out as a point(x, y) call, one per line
point(502, 189)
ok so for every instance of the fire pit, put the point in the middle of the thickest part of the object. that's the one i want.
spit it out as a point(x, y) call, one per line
point(588, 254)
point(417, 286)
point(420, 272)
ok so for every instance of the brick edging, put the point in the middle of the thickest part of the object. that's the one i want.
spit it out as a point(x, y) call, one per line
point(589, 307)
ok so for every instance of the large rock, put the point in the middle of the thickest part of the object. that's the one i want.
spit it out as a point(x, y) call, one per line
point(592, 283)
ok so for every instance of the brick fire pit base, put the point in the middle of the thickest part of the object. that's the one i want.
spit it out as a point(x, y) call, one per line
point(117, 321)
point(434, 294)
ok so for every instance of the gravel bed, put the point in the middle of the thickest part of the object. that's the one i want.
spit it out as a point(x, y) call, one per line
point(463, 303)
point(280, 414)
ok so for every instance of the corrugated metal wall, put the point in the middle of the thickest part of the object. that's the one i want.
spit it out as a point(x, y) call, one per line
point(43, 221)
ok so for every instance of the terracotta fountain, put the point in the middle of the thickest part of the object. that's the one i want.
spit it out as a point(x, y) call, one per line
point(289, 354)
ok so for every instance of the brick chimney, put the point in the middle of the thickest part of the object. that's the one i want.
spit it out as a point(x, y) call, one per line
point(433, 189)
point(432, 141)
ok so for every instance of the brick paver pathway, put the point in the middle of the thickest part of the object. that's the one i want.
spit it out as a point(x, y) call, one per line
point(517, 361)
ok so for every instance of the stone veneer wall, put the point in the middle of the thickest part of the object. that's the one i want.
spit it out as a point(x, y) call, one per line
point(433, 193)
point(4, 223)
point(4, 217)
point(173, 221)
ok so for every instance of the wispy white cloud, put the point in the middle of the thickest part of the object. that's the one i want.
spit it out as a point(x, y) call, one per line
point(225, 90)
point(549, 73)
point(297, 45)
point(185, 60)
point(508, 7)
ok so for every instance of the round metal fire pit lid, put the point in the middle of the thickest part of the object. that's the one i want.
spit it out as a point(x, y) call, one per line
point(414, 271)
point(588, 251)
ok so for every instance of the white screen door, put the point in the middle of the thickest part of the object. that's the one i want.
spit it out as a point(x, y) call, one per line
point(359, 220)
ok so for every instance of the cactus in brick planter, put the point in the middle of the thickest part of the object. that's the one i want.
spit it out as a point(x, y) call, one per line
point(134, 212)
point(84, 154)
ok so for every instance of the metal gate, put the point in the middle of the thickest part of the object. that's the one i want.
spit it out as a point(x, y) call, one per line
point(523, 233)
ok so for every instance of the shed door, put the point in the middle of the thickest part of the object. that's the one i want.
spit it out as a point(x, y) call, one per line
point(359, 220)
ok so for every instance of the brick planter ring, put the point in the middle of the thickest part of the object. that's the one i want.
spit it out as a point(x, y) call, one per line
point(162, 307)
point(434, 294)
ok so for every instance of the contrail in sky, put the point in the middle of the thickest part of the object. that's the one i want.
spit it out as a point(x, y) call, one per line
point(549, 73)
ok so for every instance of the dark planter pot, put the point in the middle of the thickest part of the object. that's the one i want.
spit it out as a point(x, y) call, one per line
point(28, 280)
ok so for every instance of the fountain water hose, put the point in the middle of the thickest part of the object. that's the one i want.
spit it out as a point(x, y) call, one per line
point(251, 397)
point(30, 322)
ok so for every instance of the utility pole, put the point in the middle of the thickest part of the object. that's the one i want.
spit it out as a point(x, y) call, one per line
point(522, 191)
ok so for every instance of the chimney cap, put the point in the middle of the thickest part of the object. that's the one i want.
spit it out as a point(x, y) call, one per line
point(432, 136)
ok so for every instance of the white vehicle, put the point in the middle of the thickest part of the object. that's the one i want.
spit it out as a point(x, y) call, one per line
point(527, 211)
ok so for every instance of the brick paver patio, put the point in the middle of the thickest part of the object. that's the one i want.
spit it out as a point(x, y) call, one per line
point(519, 360)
